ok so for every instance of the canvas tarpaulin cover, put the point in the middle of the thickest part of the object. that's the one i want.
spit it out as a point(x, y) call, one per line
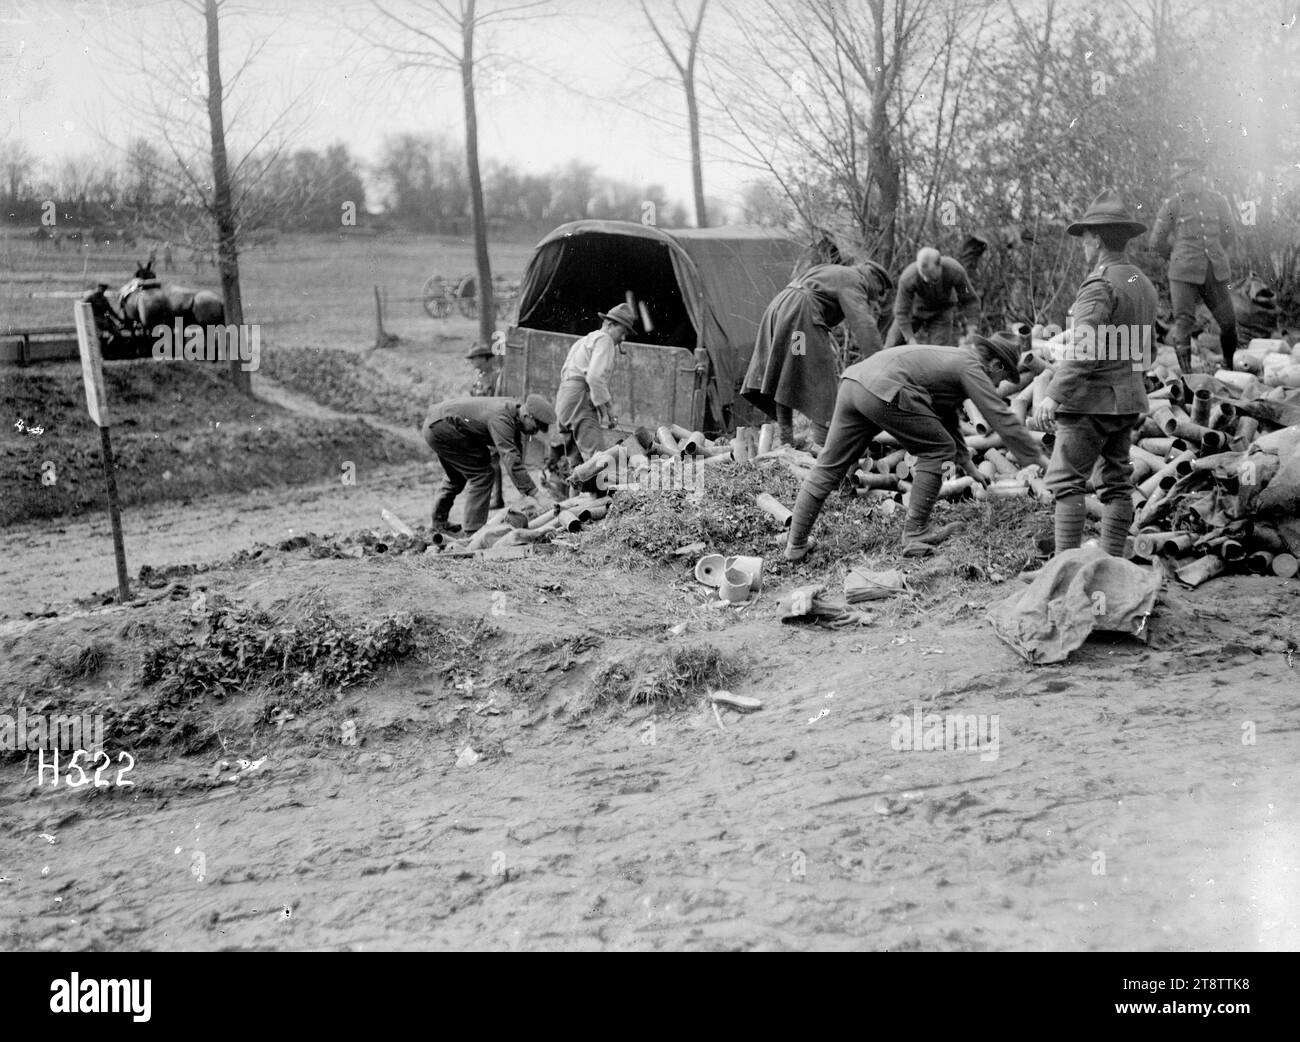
point(702, 287)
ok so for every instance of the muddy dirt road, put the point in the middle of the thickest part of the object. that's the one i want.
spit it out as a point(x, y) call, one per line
point(1136, 798)
point(52, 563)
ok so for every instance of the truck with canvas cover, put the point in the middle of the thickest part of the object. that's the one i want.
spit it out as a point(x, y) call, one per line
point(699, 294)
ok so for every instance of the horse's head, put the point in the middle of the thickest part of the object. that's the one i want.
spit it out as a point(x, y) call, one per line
point(144, 270)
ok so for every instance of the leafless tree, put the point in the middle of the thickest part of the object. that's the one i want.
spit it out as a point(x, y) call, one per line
point(17, 164)
point(183, 124)
point(441, 37)
point(823, 97)
point(223, 205)
point(685, 66)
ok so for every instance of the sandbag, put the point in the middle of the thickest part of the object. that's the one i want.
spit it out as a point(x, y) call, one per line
point(1282, 494)
point(1077, 591)
point(1256, 471)
point(1280, 443)
point(1255, 305)
point(1281, 412)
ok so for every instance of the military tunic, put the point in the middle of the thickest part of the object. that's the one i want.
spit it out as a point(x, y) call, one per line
point(924, 311)
point(1100, 393)
point(464, 432)
point(793, 364)
point(915, 393)
point(1192, 230)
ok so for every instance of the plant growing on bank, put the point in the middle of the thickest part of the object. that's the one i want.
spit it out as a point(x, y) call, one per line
point(237, 649)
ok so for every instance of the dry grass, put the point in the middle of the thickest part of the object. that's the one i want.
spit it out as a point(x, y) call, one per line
point(663, 679)
point(998, 538)
point(646, 526)
point(352, 382)
point(77, 662)
point(182, 431)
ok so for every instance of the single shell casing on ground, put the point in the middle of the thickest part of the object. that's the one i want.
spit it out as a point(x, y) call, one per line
point(1201, 405)
point(1260, 562)
point(735, 586)
point(1285, 565)
point(569, 521)
point(1223, 417)
point(709, 569)
point(753, 566)
point(1201, 570)
point(773, 506)
point(692, 444)
point(1008, 488)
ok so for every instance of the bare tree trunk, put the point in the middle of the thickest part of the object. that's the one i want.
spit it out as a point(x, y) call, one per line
point(1042, 53)
point(693, 114)
point(486, 305)
point(686, 70)
point(222, 205)
point(697, 168)
point(884, 164)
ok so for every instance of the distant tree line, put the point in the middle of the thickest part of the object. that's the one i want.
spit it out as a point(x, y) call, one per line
point(418, 185)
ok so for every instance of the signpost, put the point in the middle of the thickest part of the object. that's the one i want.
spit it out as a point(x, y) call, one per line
point(92, 372)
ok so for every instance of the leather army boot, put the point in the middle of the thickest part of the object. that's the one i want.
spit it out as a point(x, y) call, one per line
point(920, 541)
point(920, 534)
point(441, 513)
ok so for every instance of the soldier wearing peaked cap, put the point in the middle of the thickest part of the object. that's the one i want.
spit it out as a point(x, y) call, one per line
point(463, 432)
point(1192, 229)
point(1097, 396)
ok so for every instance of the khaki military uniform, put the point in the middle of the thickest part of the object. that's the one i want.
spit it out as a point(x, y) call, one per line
point(1100, 400)
point(1192, 229)
point(464, 432)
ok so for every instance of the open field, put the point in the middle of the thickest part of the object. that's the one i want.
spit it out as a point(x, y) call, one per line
point(189, 434)
point(306, 291)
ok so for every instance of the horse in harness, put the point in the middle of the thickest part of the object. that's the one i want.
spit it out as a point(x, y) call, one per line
point(146, 303)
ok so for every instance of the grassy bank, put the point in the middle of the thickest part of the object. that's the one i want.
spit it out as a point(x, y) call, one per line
point(179, 430)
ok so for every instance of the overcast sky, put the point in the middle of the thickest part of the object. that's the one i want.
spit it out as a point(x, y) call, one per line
point(68, 69)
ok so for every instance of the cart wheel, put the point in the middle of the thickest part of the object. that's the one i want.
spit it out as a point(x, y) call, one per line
point(436, 304)
point(467, 297)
